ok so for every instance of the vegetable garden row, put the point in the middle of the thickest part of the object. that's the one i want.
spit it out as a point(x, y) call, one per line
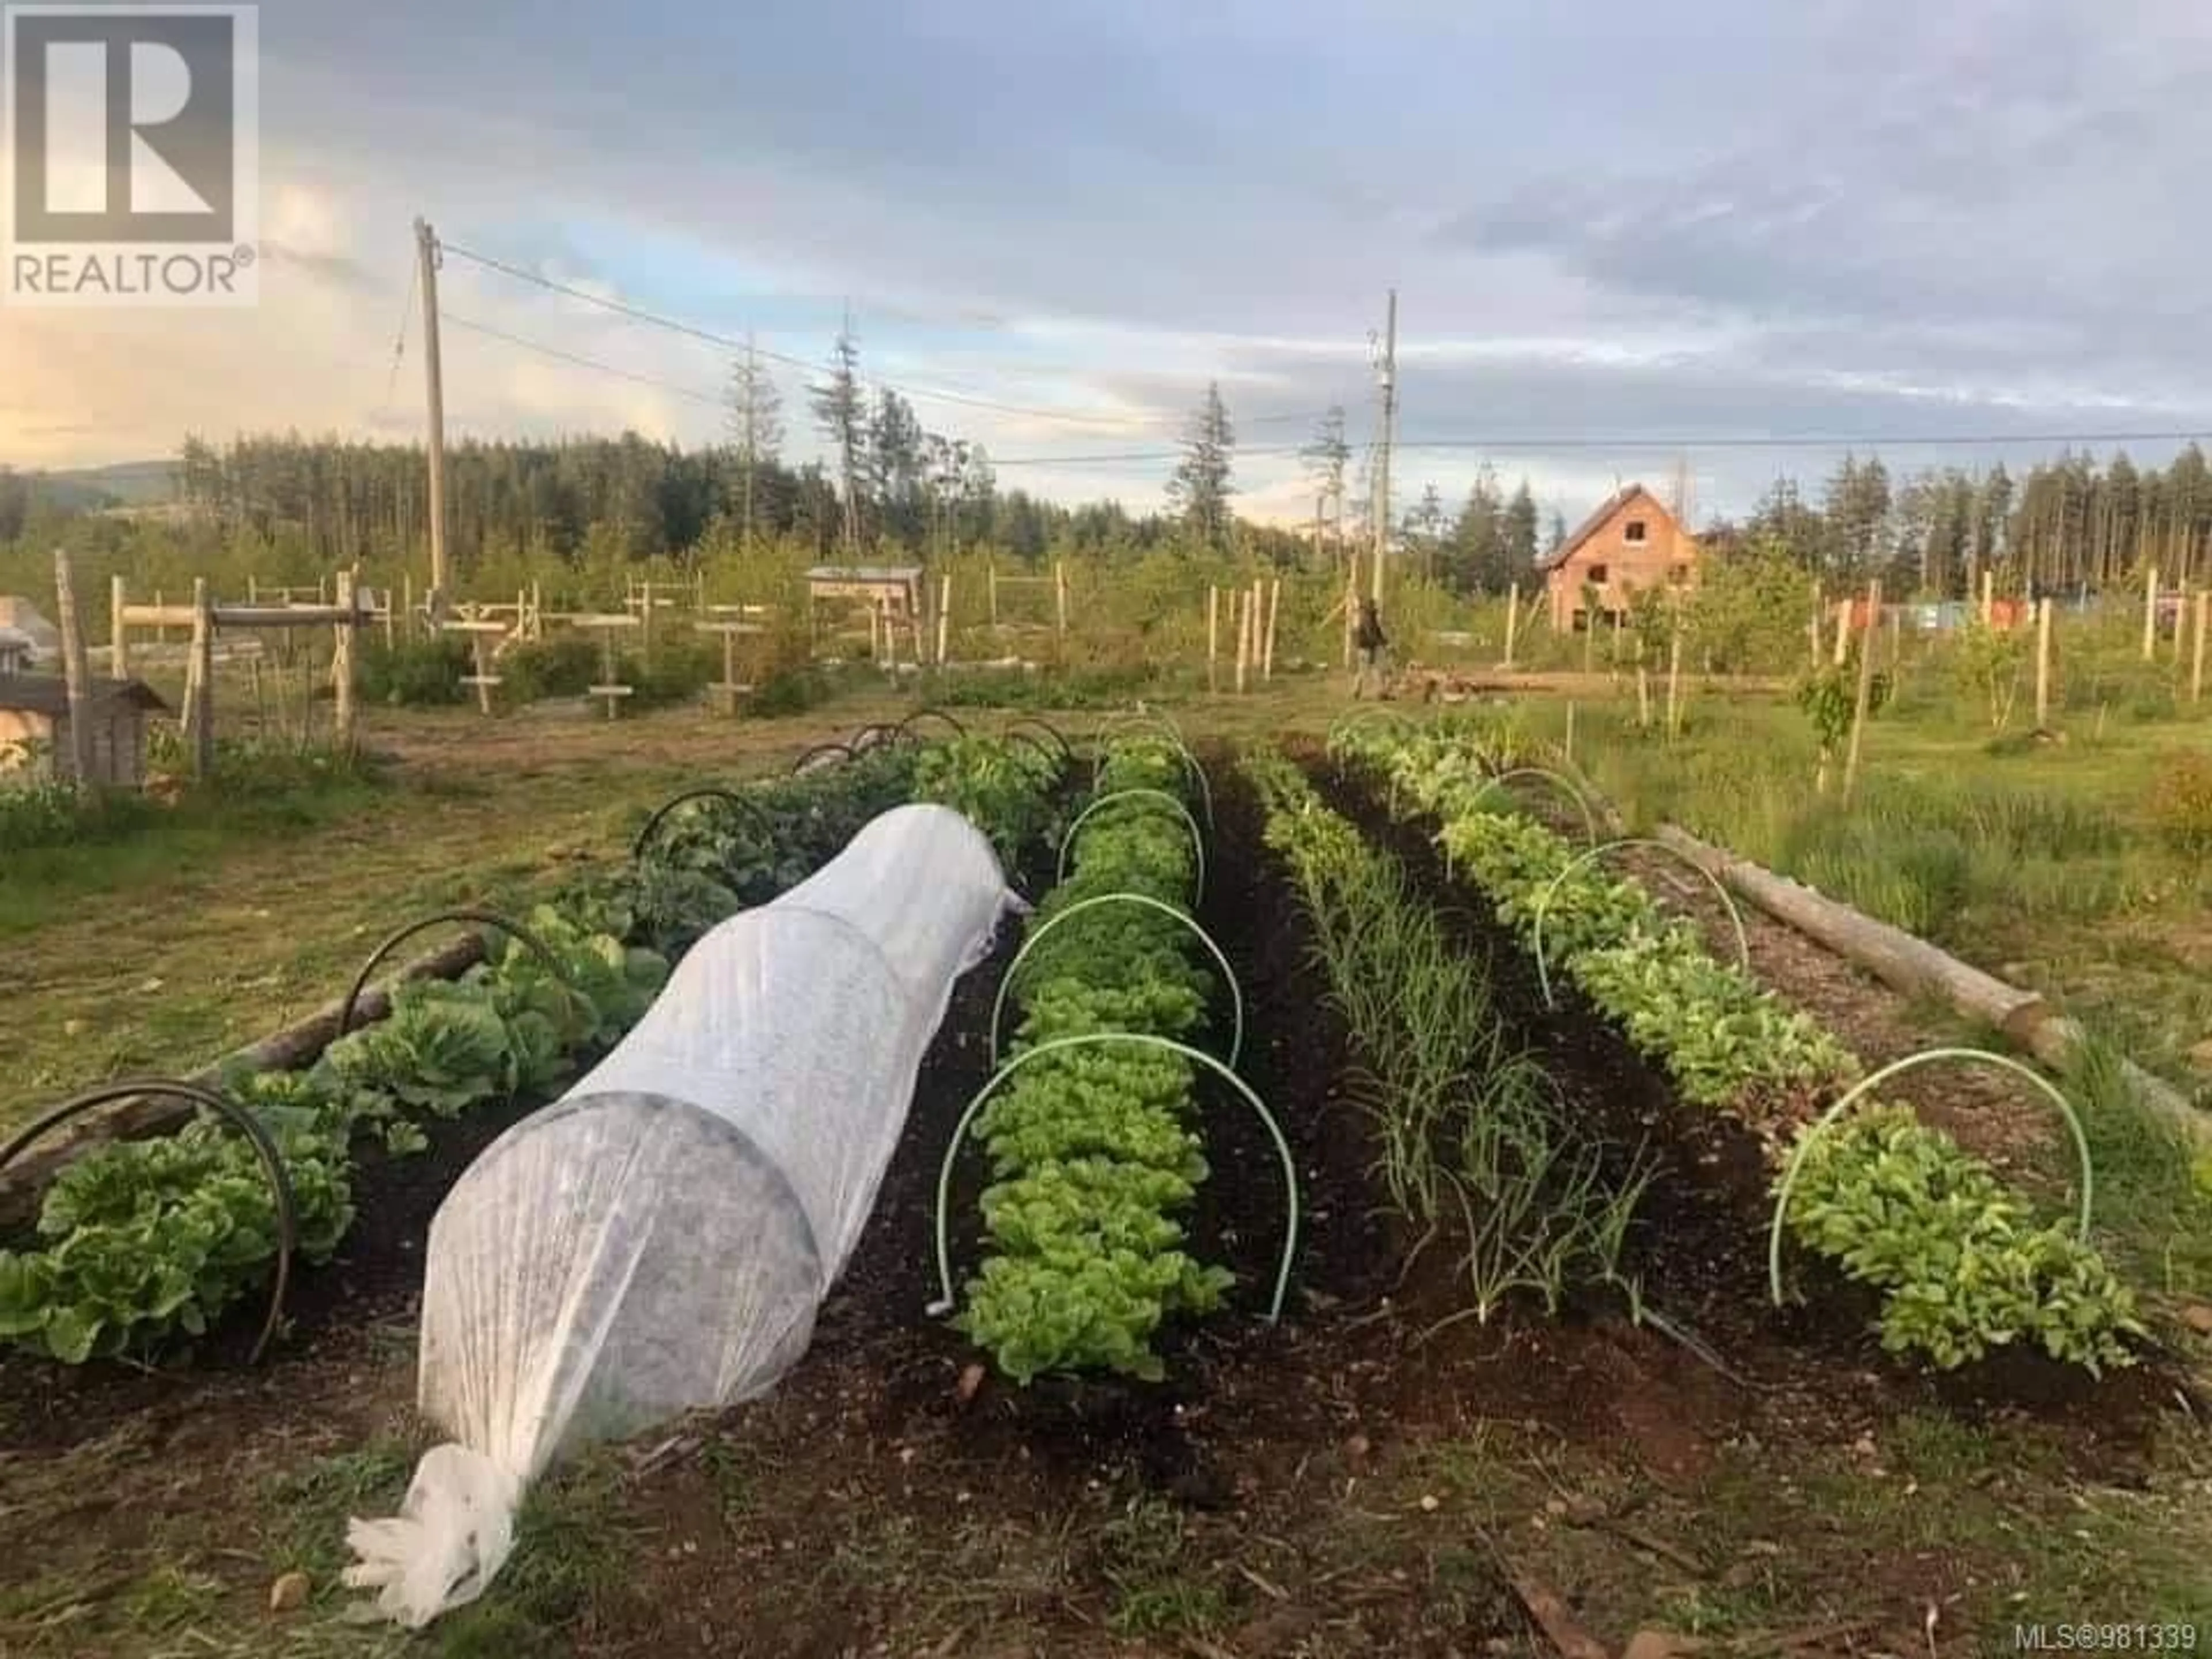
point(1961, 1262)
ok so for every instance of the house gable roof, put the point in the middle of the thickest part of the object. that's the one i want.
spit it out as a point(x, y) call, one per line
point(1597, 520)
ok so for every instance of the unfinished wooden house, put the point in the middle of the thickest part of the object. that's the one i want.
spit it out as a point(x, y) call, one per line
point(1632, 541)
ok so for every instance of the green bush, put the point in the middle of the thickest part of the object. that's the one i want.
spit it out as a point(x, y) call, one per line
point(53, 813)
point(791, 691)
point(2181, 805)
point(677, 674)
point(1015, 687)
point(549, 668)
point(415, 674)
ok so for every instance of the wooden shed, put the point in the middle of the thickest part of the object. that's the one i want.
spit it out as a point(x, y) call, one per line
point(34, 727)
point(1632, 541)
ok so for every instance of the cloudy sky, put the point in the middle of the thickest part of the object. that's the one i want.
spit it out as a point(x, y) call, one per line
point(1618, 230)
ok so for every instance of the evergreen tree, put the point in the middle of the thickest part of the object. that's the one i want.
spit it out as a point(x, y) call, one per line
point(1519, 534)
point(842, 418)
point(1326, 458)
point(755, 428)
point(1200, 489)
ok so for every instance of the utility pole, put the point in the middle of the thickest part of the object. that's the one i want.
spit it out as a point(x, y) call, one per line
point(1389, 432)
point(426, 249)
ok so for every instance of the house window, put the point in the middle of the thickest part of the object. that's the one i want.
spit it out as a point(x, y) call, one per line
point(1634, 532)
point(1598, 573)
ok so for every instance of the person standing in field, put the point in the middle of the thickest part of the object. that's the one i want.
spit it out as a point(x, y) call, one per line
point(1370, 641)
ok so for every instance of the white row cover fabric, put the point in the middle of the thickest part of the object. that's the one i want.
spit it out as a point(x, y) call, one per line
point(660, 1238)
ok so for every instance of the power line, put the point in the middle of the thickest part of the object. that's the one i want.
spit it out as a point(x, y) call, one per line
point(916, 394)
point(578, 359)
point(1802, 441)
point(400, 340)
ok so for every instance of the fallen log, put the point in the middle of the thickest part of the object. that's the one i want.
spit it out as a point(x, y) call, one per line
point(1914, 968)
point(297, 1045)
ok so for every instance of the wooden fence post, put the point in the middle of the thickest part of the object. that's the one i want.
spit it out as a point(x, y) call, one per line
point(77, 673)
point(944, 616)
point(1213, 637)
point(2043, 665)
point(1244, 634)
point(342, 686)
point(1675, 677)
point(1988, 597)
point(200, 699)
point(119, 635)
point(1843, 632)
point(1865, 695)
point(2196, 666)
point(1512, 621)
point(2150, 615)
point(1060, 596)
point(1274, 608)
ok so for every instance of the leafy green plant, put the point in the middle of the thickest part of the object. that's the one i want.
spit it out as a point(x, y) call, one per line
point(1002, 788)
point(1829, 699)
point(1092, 1146)
point(148, 1238)
point(1963, 1265)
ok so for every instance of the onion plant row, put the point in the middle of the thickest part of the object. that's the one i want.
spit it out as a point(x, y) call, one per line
point(1474, 1143)
point(1963, 1264)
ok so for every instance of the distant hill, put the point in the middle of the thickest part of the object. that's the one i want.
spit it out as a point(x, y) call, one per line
point(127, 484)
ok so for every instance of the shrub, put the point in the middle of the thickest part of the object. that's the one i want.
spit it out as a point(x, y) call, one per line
point(2181, 804)
point(791, 691)
point(677, 674)
point(415, 673)
point(561, 667)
